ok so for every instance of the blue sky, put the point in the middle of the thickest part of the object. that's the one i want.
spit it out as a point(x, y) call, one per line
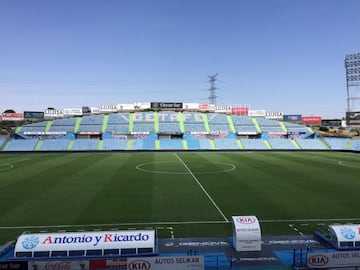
point(277, 55)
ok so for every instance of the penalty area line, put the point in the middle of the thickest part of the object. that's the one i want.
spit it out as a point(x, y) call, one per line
point(202, 188)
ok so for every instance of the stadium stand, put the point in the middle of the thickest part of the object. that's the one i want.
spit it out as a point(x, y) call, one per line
point(166, 130)
point(355, 146)
point(194, 122)
point(205, 144)
point(168, 144)
point(312, 144)
point(91, 123)
point(192, 142)
point(144, 122)
point(115, 144)
point(169, 122)
point(226, 144)
point(92, 119)
point(85, 144)
point(337, 143)
point(297, 131)
point(33, 127)
point(21, 145)
point(2, 142)
point(118, 123)
point(282, 144)
point(244, 124)
point(169, 128)
point(269, 125)
point(54, 145)
point(254, 144)
point(63, 125)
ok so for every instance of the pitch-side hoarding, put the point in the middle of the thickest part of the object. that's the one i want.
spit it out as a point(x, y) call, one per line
point(48, 242)
point(246, 233)
point(332, 260)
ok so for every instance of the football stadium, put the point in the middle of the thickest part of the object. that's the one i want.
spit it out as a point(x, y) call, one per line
point(172, 185)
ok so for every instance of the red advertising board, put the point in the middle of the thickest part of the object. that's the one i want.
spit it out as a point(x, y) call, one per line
point(12, 116)
point(240, 111)
point(59, 265)
point(311, 119)
point(108, 264)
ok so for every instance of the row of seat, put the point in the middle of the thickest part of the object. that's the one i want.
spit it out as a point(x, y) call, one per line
point(167, 122)
point(190, 143)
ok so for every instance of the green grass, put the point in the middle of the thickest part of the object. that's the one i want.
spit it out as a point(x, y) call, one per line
point(186, 193)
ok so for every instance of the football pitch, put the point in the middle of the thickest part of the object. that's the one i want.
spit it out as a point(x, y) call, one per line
point(180, 194)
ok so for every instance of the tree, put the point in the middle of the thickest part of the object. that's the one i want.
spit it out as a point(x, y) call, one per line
point(9, 111)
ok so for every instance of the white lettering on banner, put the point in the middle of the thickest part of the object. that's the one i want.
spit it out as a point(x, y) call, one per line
point(204, 244)
point(293, 242)
point(88, 240)
point(246, 233)
point(165, 263)
point(246, 220)
point(96, 239)
point(59, 265)
point(333, 259)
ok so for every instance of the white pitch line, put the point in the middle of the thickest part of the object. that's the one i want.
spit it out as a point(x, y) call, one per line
point(308, 220)
point(202, 188)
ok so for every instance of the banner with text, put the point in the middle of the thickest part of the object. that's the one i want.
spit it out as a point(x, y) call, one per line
point(333, 259)
point(240, 111)
point(166, 263)
point(292, 117)
point(314, 120)
point(12, 116)
point(166, 105)
point(33, 115)
point(353, 118)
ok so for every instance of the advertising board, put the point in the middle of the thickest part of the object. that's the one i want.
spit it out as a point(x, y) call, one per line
point(353, 118)
point(107, 108)
point(257, 113)
point(292, 117)
point(73, 111)
point(331, 122)
point(274, 115)
point(95, 110)
point(86, 110)
point(85, 240)
point(207, 107)
point(125, 107)
point(14, 265)
point(240, 111)
point(142, 105)
point(33, 115)
point(312, 120)
point(108, 264)
point(223, 109)
point(191, 106)
point(59, 265)
point(53, 113)
point(12, 117)
point(166, 105)
point(246, 233)
point(333, 259)
point(166, 263)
